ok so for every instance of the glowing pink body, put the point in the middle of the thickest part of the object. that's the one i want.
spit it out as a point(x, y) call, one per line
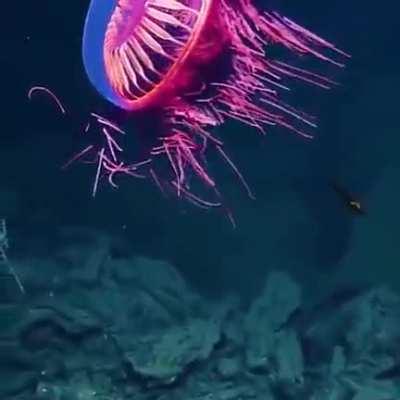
point(167, 55)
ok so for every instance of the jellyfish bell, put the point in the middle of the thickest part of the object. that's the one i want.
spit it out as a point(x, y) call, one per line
point(198, 62)
point(143, 53)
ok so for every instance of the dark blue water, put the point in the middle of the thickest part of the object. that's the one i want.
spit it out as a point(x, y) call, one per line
point(300, 221)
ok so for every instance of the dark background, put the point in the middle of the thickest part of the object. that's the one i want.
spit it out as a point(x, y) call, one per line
point(297, 222)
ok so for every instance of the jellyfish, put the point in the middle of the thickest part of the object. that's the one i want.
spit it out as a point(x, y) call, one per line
point(192, 64)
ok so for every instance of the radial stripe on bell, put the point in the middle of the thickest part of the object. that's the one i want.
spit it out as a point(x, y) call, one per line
point(144, 49)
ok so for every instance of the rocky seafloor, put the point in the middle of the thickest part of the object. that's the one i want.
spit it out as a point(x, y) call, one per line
point(95, 323)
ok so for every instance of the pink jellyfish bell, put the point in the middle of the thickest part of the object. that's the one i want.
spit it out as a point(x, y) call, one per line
point(197, 62)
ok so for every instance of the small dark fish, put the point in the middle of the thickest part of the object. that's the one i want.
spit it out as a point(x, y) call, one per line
point(350, 201)
point(389, 373)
